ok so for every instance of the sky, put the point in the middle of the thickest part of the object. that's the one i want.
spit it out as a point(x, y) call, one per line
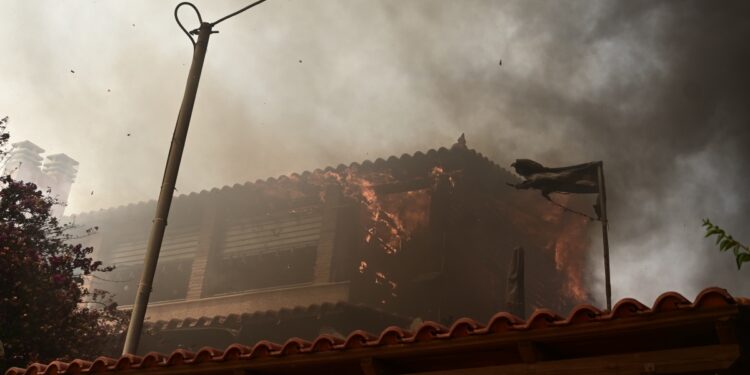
point(658, 90)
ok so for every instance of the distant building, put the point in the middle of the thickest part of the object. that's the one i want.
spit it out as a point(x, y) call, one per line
point(427, 236)
point(56, 174)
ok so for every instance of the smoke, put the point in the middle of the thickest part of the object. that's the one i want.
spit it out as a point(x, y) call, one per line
point(655, 89)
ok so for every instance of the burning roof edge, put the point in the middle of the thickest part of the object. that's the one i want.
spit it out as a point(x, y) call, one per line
point(502, 323)
point(378, 163)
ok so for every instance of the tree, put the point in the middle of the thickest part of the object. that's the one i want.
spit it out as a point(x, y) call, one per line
point(46, 312)
point(727, 242)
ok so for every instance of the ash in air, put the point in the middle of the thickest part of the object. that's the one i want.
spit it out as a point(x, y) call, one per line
point(655, 89)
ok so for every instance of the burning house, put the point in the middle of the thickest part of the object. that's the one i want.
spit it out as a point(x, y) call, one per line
point(428, 236)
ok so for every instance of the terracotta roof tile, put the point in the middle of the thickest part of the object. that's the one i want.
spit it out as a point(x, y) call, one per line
point(391, 162)
point(503, 322)
point(462, 329)
point(324, 343)
point(542, 318)
point(628, 307)
point(583, 314)
point(235, 321)
point(429, 331)
point(127, 361)
point(358, 339)
point(234, 352)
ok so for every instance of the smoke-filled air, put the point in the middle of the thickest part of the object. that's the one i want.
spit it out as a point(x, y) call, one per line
point(657, 90)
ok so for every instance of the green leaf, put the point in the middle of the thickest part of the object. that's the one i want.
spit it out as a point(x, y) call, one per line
point(714, 230)
point(725, 244)
point(742, 258)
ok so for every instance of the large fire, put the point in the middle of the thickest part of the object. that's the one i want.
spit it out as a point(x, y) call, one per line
point(390, 217)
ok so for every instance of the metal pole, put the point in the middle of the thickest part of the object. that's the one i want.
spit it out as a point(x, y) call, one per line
point(167, 191)
point(605, 238)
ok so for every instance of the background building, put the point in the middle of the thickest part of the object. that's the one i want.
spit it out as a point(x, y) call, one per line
point(57, 174)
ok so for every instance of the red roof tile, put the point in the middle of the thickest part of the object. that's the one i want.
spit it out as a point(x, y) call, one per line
point(236, 321)
point(667, 306)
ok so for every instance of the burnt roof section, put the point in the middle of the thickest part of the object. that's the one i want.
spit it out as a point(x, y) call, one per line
point(456, 157)
point(673, 322)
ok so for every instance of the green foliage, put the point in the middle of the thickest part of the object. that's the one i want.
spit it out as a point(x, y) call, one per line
point(46, 309)
point(726, 243)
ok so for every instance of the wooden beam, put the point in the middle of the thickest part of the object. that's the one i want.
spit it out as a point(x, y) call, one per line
point(726, 331)
point(714, 358)
point(372, 366)
point(529, 352)
point(677, 361)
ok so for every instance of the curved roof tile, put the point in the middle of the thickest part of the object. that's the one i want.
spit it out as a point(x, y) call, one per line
point(503, 322)
point(263, 349)
point(711, 297)
point(393, 335)
point(294, 345)
point(670, 301)
point(583, 314)
point(542, 318)
point(428, 331)
point(207, 354)
point(627, 308)
point(235, 351)
point(358, 339)
point(464, 327)
point(324, 343)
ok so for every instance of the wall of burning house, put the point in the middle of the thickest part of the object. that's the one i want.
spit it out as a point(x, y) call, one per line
point(425, 236)
point(440, 237)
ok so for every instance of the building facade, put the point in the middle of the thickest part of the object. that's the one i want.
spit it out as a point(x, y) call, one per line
point(427, 236)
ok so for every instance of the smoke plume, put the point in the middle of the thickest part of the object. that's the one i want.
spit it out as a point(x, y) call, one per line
point(658, 90)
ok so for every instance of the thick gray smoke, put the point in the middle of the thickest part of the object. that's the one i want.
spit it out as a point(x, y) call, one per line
point(656, 89)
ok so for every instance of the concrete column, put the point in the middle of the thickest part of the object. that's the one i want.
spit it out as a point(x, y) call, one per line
point(328, 234)
point(207, 239)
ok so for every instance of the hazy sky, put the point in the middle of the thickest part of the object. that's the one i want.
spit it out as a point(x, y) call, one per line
point(658, 90)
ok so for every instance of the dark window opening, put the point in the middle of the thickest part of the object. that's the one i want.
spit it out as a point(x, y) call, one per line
point(170, 281)
point(248, 272)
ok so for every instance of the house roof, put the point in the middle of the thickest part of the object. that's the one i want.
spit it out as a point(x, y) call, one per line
point(236, 321)
point(706, 329)
point(305, 322)
point(456, 156)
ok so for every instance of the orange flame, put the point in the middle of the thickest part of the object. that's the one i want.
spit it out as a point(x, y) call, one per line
point(389, 220)
point(570, 250)
point(386, 226)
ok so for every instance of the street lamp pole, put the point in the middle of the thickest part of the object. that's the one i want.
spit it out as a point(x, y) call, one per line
point(166, 193)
